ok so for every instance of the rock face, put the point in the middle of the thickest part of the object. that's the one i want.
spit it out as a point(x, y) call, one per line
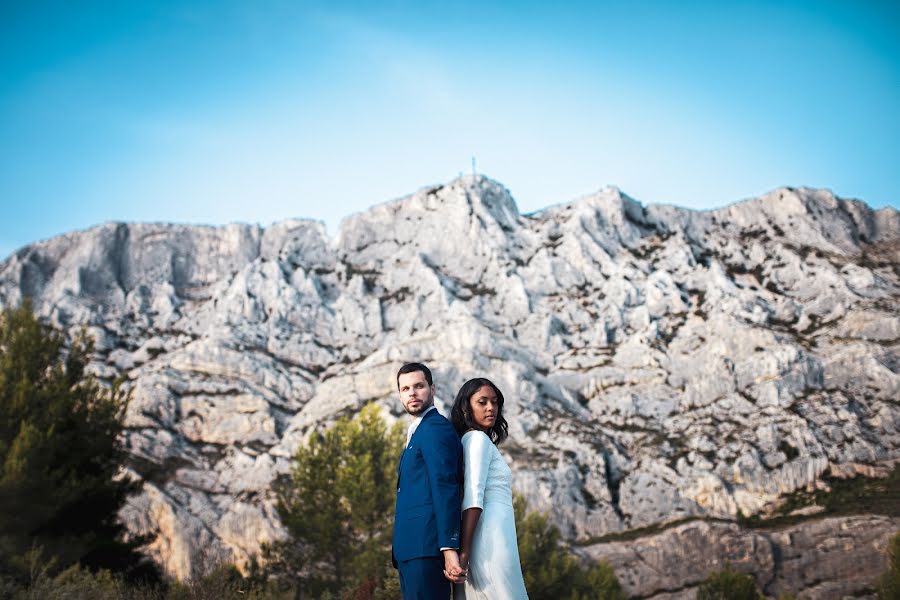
point(658, 363)
point(837, 557)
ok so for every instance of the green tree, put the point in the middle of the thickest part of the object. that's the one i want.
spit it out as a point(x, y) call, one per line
point(550, 571)
point(337, 507)
point(729, 584)
point(888, 585)
point(60, 453)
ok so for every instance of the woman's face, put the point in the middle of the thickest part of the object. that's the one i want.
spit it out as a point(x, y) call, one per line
point(484, 407)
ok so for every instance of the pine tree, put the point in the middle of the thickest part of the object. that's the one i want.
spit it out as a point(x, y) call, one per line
point(550, 571)
point(337, 507)
point(60, 453)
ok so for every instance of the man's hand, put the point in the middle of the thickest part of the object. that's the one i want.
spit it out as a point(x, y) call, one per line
point(452, 569)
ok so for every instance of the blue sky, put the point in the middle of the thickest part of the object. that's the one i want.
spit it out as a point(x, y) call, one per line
point(261, 110)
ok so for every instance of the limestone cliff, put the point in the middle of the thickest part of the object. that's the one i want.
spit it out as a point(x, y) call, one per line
point(658, 363)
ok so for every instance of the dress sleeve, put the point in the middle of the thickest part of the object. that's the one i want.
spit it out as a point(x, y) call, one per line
point(477, 459)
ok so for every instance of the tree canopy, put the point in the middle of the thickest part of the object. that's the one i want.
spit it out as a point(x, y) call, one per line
point(337, 506)
point(551, 571)
point(60, 452)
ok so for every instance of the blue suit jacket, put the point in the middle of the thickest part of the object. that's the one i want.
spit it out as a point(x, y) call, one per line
point(429, 488)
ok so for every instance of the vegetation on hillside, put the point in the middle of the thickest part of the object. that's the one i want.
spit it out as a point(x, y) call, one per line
point(551, 571)
point(857, 495)
point(729, 584)
point(888, 585)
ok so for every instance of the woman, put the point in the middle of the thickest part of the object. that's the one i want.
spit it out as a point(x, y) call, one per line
point(488, 545)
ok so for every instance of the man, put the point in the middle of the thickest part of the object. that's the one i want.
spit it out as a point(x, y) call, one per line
point(429, 481)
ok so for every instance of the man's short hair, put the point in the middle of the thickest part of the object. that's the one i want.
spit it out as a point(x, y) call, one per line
point(412, 368)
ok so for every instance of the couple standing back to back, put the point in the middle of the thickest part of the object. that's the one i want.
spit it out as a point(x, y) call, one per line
point(454, 519)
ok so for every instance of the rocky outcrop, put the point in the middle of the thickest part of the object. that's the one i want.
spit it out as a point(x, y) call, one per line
point(658, 363)
point(836, 557)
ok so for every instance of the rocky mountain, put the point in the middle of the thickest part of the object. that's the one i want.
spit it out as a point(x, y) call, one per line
point(665, 370)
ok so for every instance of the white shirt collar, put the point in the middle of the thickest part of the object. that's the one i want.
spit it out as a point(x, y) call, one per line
point(412, 426)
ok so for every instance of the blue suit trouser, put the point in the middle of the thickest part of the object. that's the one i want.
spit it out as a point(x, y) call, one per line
point(423, 579)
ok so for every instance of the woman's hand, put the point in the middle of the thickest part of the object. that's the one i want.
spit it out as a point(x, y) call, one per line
point(452, 569)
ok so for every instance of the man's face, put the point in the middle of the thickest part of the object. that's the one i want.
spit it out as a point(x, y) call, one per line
point(415, 393)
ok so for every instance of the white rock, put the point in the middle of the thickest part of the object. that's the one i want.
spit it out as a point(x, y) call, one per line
point(658, 363)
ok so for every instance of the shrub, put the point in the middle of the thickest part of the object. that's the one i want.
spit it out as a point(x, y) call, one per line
point(888, 585)
point(73, 583)
point(729, 584)
point(225, 582)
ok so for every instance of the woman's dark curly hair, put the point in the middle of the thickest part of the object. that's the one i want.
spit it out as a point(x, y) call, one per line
point(461, 413)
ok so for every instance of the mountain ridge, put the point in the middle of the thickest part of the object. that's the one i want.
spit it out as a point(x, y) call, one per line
point(659, 363)
point(891, 211)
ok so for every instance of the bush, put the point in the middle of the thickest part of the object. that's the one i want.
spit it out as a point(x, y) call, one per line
point(729, 584)
point(224, 582)
point(888, 585)
point(550, 571)
point(74, 583)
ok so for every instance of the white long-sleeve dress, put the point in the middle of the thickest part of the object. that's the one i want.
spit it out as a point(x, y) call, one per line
point(495, 572)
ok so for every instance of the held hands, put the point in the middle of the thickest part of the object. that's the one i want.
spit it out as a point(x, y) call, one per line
point(453, 570)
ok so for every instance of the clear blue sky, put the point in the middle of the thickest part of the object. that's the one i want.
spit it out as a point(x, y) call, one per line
point(260, 110)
